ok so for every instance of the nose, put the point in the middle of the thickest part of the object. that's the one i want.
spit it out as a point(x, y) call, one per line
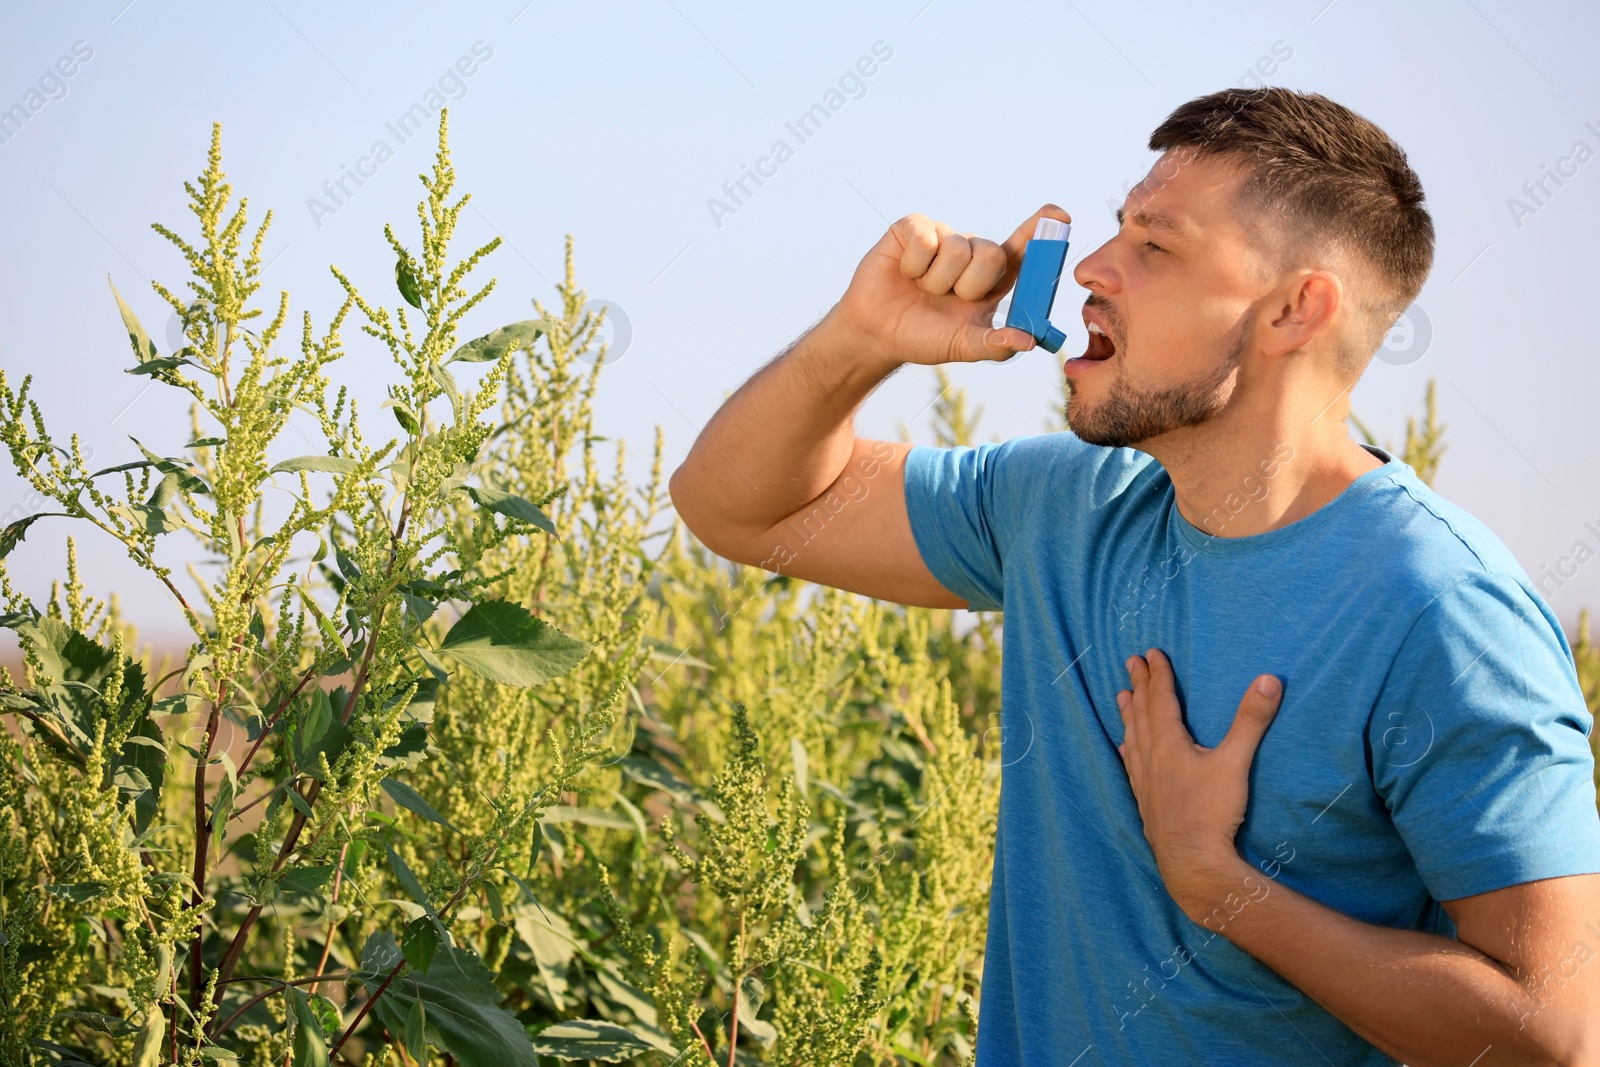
point(1098, 271)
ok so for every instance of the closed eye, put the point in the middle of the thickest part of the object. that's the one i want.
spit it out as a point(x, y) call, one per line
point(1152, 246)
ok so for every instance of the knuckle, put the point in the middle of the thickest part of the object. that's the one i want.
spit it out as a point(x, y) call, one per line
point(912, 222)
point(955, 244)
point(918, 232)
point(988, 254)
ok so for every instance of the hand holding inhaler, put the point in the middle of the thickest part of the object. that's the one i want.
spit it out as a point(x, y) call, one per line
point(926, 294)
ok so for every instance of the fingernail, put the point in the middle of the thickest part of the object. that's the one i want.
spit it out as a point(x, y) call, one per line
point(1122, 699)
point(1267, 685)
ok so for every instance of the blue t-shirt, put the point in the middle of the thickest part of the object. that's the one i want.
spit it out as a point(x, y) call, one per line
point(1432, 741)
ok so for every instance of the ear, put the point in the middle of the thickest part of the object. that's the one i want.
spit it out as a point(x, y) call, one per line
point(1300, 312)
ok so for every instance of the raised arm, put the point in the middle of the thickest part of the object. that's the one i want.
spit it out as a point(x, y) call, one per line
point(778, 479)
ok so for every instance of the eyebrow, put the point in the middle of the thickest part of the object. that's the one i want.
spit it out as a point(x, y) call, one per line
point(1156, 220)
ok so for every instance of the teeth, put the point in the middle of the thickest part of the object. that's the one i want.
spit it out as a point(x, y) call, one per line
point(1095, 328)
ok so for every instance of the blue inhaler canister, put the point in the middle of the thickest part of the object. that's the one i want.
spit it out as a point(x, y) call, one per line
point(1035, 291)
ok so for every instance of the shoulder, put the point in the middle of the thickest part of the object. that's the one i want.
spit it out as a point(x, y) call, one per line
point(1426, 544)
point(1023, 470)
point(1441, 562)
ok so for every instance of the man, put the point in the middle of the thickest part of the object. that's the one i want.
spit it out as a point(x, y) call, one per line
point(1415, 874)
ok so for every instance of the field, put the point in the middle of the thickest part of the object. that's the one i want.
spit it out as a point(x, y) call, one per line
point(475, 755)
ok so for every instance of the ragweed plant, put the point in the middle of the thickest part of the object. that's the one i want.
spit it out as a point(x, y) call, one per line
point(168, 901)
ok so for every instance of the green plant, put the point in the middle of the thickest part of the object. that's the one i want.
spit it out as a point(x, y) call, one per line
point(157, 890)
point(378, 795)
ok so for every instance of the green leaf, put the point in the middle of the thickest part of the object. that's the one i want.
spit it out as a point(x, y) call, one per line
point(590, 1039)
point(306, 879)
point(624, 994)
point(434, 664)
point(416, 1033)
point(647, 771)
point(78, 893)
point(762, 1032)
point(80, 669)
point(414, 886)
point(145, 752)
point(404, 416)
point(554, 946)
point(147, 1046)
point(405, 279)
point(504, 643)
point(411, 800)
point(330, 633)
point(151, 520)
point(314, 723)
point(417, 607)
point(330, 464)
point(464, 1014)
point(447, 382)
point(161, 463)
point(423, 701)
point(420, 942)
point(491, 346)
point(189, 479)
point(331, 744)
point(347, 565)
point(166, 492)
point(14, 532)
point(298, 802)
point(319, 732)
point(512, 505)
point(310, 1047)
point(144, 349)
point(106, 1024)
point(227, 793)
point(159, 367)
point(407, 752)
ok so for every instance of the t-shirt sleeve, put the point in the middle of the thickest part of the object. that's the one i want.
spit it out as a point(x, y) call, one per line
point(966, 505)
point(1480, 744)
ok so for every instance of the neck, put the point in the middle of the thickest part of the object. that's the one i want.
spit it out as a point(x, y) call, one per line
point(1260, 465)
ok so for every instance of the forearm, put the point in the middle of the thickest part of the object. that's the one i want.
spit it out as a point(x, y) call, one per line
point(782, 439)
point(1422, 998)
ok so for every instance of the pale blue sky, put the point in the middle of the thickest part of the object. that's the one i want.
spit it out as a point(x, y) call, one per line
point(617, 122)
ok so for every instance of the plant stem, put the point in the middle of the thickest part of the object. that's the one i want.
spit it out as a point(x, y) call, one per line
point(710, 1055)
point(281, 985)
point(202, 839)
point(338, 878)
point(288, 698)
point(366, 1007)
point(68, 748)
point(738, 981)
point(230, 959)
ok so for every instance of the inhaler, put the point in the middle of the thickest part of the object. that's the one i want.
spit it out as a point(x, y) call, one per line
point(1042, 261)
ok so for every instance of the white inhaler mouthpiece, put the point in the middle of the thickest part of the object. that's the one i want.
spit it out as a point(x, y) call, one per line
point(1052, 230)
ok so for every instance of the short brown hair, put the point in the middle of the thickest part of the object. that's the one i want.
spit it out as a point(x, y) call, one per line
point(1322, 174)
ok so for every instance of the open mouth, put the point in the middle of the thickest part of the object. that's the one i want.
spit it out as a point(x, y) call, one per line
point(1100, 344)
